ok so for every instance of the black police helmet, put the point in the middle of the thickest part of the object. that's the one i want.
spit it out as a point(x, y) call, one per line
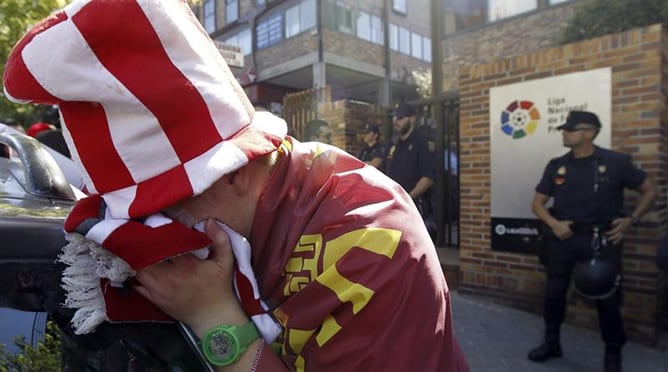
point(596, 279)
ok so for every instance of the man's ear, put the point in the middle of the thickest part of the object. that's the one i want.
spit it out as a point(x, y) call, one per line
point(239, 180)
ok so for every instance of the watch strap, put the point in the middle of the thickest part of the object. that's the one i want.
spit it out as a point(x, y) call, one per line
point(246, 334)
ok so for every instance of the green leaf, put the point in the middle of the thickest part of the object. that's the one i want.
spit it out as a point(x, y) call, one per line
point(596, 18)
point(16, 18)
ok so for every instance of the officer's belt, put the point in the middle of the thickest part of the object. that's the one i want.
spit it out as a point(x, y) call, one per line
point(586, 228)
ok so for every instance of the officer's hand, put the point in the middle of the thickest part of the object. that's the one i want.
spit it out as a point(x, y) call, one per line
point(562, 229)
point(619, 227)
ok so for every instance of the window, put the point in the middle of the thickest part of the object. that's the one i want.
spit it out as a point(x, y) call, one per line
point(369, 28)
point(344, 18)
point(308, 14)
point(292, 21)
point(269, 31)
point(209, 15)
point(416, 45)
point(404, 41)
point(463, 14)
point(499, 9)
point(231, 11)
point(242, 40)
point(364, 26)
point(394, 37)
point(377, 34)
point(426, 49)
point(300, 18)
point(400, 6)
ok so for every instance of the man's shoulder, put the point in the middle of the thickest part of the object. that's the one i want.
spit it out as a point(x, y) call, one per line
point(558, 160)
point(608, 154)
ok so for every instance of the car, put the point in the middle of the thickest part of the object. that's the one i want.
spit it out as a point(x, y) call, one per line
point(32, 210)
point(35, 199)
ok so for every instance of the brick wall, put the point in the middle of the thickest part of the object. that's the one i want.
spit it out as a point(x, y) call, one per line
point(352, 47)
point(287, 50)
point(346, 119)
point(639, 62)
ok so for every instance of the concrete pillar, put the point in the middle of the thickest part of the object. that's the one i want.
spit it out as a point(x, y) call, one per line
point(319, 75)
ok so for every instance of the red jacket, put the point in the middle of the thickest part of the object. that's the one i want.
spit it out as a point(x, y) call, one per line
point(346, 265)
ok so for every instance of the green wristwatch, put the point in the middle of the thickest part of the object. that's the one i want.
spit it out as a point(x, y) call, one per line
point(224, 344)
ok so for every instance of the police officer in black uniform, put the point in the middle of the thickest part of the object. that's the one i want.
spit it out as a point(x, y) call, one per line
point(374, 151)
point(586, 220)
point(411, 162)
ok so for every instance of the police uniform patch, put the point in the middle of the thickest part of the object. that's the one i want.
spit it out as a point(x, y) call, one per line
point(390, 155)
point(602, 169)
point(561, 171)
point(559, 180)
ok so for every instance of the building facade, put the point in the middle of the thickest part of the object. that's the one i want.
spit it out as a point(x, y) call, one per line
point(294, 45)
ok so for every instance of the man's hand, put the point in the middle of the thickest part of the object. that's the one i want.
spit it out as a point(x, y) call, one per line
point(619, 228)
point(562, 229)
point(194, 291)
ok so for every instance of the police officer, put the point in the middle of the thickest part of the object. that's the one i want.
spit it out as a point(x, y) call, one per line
point(318, 130)
point(411, 162)
point(374, 151)
point(586, 186)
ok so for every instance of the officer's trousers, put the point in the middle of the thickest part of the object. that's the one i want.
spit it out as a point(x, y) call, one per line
point(561, 259)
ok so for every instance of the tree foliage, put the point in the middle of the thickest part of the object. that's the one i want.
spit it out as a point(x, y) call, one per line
point(601, 17)
point(45, 357)
point(423, 80)
point(16, 17)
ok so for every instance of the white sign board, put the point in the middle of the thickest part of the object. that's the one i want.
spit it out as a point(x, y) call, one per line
point(523, 121)
point(231, 53)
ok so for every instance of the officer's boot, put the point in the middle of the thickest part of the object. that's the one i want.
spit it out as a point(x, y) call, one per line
point(613, 358)
point(550, 348)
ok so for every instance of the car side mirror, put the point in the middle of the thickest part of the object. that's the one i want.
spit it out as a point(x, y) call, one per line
point(42, 175)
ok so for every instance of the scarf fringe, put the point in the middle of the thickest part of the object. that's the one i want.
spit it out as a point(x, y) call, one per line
point(87, 262)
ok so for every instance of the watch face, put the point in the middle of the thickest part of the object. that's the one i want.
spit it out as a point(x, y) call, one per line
point(222, 346)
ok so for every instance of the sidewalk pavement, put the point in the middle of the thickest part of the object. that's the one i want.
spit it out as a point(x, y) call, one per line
point(496, 338)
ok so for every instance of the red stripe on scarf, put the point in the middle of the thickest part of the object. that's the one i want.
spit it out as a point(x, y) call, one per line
point(250, 304)
point(140, 245)
point(164, 189)
point(85, 208)
point(95, 146)
point(127, 305)
point(152, 76)
point(18, 80)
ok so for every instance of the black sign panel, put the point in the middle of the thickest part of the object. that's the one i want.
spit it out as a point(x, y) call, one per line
point(519, 235)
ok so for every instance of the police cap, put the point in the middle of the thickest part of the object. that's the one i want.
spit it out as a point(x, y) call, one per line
point(580, 117)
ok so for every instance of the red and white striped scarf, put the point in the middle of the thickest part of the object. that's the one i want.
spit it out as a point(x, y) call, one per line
point(105, 253)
